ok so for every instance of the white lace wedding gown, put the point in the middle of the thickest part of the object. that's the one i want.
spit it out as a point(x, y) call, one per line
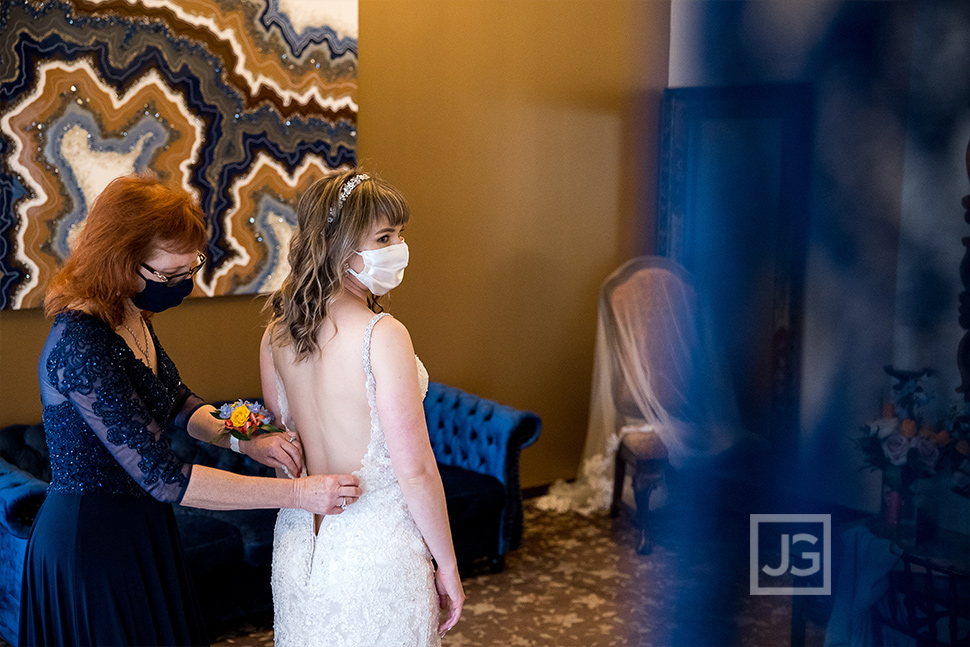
point(366, 578)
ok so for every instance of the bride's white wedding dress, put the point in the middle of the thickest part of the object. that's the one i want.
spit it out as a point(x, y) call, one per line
point(366, 578)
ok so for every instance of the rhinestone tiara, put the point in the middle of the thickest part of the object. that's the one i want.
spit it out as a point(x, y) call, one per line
point(345, 191)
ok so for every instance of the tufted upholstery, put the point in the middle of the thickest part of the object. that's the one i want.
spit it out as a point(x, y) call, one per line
point(484, 437)
point(20, 497)
point(26, 447)
point(23, 462)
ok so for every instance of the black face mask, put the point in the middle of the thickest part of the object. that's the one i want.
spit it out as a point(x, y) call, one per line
point(158, 296)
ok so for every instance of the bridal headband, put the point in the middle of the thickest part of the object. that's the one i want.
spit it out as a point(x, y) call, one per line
point(345, 191)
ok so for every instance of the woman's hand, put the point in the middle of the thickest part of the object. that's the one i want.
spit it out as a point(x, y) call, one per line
point(451, 596)
point(279, 450)
point(326, 493)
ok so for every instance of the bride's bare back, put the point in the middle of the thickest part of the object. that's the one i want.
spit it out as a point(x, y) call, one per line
point(375, 558)
point(326, 393)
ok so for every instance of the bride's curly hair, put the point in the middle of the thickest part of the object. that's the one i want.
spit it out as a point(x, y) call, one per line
point(327, 234)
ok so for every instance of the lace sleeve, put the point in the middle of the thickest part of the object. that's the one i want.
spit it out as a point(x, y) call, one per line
point(186, 403)
point(91, 376)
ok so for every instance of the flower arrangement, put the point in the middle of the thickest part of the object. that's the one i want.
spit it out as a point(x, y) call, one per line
point(243, 419)
point(906, 447)
point(959, 456)
point(900, 443)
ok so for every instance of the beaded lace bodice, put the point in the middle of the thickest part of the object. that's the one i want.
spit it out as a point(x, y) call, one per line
point(105, 413)
point(365, 579)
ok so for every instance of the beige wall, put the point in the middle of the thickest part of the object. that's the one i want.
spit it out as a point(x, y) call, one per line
point(524, 135)
point(214, 343)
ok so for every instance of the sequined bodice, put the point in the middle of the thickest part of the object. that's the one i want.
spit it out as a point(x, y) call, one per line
point(105, 413)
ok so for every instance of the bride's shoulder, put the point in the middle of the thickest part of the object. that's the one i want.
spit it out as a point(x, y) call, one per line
point(268, 332)
point(274, 338)
point(389, 328)
point(390, 338)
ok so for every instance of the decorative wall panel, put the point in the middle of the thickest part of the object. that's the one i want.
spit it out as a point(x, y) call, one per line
point(245, 103)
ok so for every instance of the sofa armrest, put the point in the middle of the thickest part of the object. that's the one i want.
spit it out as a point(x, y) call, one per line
point(20, 498)
point(483, 436)
point(25, 447)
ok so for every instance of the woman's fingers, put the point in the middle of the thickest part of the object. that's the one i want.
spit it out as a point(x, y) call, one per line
point(327, 494)
point(349, 492)
point(276, 450)
point(290, 453)
point(343, 501)
point(450, 596)
point(346, 495)
point(454, 613)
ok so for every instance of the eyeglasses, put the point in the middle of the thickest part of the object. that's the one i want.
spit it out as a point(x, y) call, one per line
point(175, 279)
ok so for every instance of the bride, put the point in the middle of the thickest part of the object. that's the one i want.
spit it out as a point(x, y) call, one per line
point(347, 380)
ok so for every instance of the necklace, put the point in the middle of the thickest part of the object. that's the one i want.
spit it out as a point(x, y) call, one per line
point(144, 350)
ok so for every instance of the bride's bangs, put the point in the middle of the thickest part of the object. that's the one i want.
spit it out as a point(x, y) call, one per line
point(390, 206)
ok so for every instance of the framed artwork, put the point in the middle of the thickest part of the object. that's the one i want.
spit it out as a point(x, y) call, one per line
point(244, 103)
point(733, 209)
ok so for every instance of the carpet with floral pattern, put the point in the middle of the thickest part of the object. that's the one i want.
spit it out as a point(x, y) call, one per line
point(577, 581)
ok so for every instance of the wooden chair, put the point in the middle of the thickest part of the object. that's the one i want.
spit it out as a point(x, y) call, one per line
point(646, 455)
point(643, 453)
point(928, 600)
point(668, 397)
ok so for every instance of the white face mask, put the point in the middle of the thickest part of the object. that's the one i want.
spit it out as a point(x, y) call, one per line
point(383, 268)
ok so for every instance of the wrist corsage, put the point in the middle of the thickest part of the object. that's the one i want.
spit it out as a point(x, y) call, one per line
point(242, 419)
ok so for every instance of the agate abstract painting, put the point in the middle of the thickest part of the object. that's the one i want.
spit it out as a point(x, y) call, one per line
point(244, 103)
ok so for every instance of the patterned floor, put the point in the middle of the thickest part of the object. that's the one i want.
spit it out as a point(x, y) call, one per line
point(577, 581)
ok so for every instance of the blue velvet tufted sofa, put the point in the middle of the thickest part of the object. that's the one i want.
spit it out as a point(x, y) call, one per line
point(477, 443)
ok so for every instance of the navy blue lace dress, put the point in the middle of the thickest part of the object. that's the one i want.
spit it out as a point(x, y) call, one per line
point(104, 561)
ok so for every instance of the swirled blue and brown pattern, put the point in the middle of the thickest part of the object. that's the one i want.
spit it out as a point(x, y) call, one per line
point(243, 103)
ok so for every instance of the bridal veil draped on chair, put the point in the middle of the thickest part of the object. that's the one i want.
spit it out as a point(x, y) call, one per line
point(657, 373)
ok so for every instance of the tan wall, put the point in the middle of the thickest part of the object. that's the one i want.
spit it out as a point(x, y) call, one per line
point(524, 135)
point(214, 343)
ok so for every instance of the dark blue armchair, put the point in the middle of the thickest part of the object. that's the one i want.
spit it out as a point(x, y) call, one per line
point(477, 443)
point(20, 497)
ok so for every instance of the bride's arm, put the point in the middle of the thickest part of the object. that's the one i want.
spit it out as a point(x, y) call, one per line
point(399, 404)
point(267, 379)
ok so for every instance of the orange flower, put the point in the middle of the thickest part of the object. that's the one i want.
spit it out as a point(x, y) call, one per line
point(963, 447)
point(927, 432)
point(908, 428)
point(942, 438)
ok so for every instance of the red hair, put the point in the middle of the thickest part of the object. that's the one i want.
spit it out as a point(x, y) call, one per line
point(132, 216)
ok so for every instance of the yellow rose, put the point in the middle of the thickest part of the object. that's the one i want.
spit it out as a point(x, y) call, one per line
point(240, 416)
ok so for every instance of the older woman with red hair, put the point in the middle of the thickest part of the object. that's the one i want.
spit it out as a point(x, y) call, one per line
point(104, 561)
